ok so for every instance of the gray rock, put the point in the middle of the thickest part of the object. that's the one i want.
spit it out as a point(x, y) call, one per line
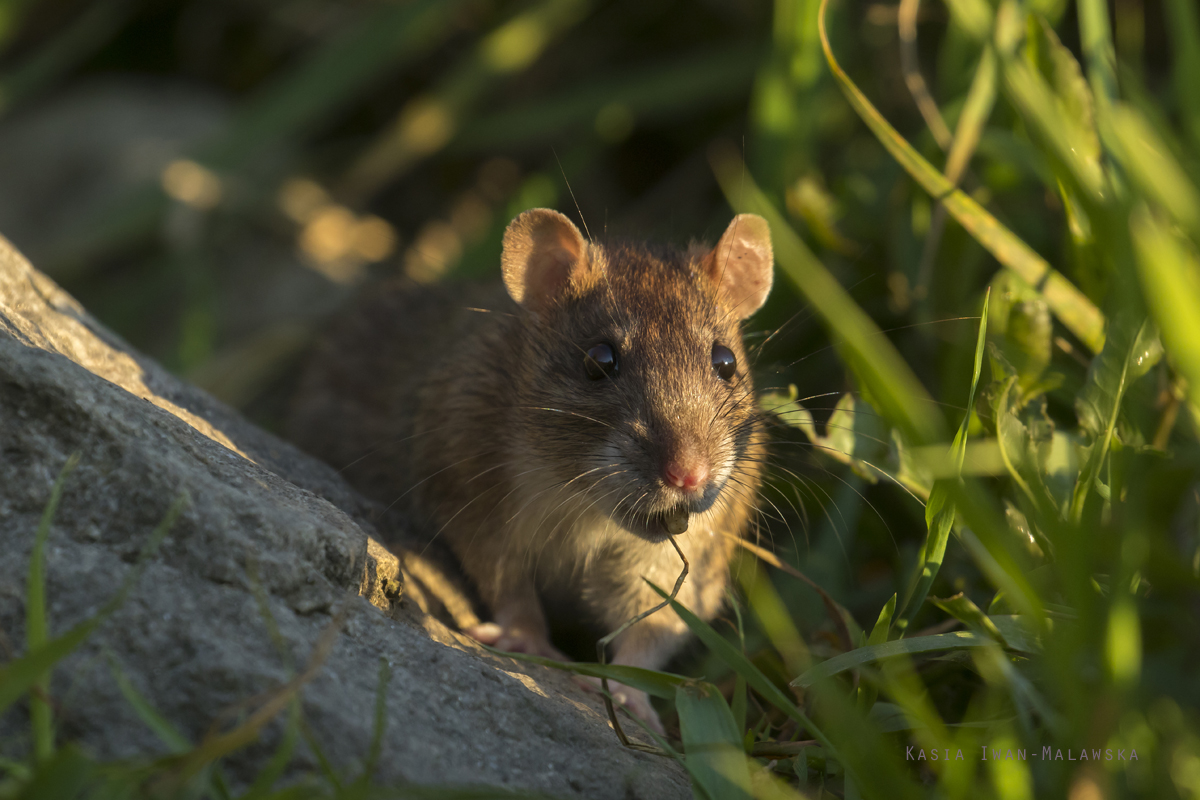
point(192, 637)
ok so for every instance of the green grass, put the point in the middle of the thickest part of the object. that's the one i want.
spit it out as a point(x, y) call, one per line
point(1075, 538)
point(1027, 275)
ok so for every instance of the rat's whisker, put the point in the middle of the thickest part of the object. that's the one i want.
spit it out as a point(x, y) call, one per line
point(539, 475)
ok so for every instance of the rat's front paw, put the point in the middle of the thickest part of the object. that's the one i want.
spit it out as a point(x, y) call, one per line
point(515, 640)
point(635, 701)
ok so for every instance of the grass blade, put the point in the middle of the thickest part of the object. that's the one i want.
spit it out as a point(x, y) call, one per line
point(273, 770)
point(712, 744)
point(981, 97)
point(848, 630)
point(893, 387)
point(323, 763)
point(774, 617)
point(391, 35)
point(975, 17)
point(990, 543)
point(40, 715)
point(907, 12)
point(737, 703)
point(939, 521)
point(182, 768)
point(742, 666)
point(649, 92)
point(1071, 306)
point(426, 123)
point(867, 691)
point(872, 766)
point(961, 608)
point(1170, 276)
point(652, 682)
point(904, 686)
point(883, 624)
point(302, 791)
point(1067, 134)
point(65, 776)
point(1127, 354)
point(1148, 161)
point(1095, 35)
point(175, 741)
point(379, 727)
point(1183, 29)
point(94, 27)
point(413, 792)
point(941, 511)
point(18, 676)
point(955, 640)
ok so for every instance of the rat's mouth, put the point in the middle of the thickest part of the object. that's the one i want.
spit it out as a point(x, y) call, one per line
point(659, 525)
point(671, 515)
point(673, 521)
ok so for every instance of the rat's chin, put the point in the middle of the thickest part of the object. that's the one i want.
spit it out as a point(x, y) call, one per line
point(658, 526)
point(659, 515)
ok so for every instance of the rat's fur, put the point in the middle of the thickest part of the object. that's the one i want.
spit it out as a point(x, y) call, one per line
point(486, 428)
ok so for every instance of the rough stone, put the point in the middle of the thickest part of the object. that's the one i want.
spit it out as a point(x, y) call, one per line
point(192, 637)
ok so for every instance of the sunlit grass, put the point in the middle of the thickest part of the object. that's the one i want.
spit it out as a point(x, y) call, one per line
point(1025, 584)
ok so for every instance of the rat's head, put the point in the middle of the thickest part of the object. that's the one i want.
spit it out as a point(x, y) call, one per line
point(635, 380)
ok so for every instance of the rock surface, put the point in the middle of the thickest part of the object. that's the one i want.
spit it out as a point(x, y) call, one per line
point(192, 638)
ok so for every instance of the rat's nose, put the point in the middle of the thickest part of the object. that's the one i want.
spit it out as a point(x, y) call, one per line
point(688, 474)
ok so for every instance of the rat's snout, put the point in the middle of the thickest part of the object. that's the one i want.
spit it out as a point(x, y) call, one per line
point(687, 476)
point(686, 469)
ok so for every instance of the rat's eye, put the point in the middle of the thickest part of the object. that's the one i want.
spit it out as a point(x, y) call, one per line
point(601, 362)
point(724, 362)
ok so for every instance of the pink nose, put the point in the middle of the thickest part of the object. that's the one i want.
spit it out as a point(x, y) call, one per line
point(686, 475)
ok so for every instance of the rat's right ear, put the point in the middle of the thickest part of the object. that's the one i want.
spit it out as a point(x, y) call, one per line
point(742, 264)
point(543, 251)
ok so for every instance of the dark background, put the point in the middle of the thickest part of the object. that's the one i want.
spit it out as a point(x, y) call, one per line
point(214, 178)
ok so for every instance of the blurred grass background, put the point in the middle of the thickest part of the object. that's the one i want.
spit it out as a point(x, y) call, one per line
point(214, 178)
point(247, 164)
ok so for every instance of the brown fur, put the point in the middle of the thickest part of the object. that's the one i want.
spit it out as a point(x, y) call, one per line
point(486, 429)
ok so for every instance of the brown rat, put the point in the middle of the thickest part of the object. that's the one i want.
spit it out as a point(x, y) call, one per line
point(600, 405)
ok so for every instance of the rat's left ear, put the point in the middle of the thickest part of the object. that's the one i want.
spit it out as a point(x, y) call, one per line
point(543, 253)
point(742, 264)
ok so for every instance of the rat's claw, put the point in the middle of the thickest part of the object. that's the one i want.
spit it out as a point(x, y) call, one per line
point(485, 633)
point(635, 701)
point(514, 640)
